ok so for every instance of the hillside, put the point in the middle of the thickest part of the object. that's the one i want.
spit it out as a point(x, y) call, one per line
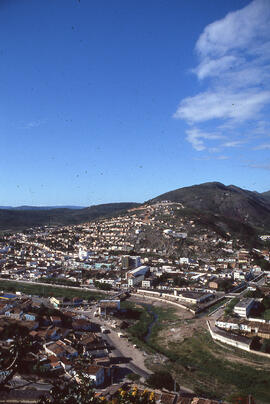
point(230, 202)
point(21, 219)
point(266, 195)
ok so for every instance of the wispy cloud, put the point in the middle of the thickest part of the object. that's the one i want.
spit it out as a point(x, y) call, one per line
point(206, 158)
point(234, 64)
point(196, 137)
point(260, 166)
point(236, 143)
point(33, 124)
point(262, 147)
point(223, 104)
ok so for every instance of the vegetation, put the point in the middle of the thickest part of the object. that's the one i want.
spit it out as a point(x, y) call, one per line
point(133, 377)
point(58, 281)
point(225, 285)
point(48, 291)
point(230, 306)
point(102, 286)
point(79, 391)
point(266, 315)
point(160, 380)
point(226, 201)
point(11, 359)
point(261, 262)
point(139, 330)
point(202, 364)
point(215, 306)
point(265, 346)
point(83, 393)
point(18, 219)
point(254, 293)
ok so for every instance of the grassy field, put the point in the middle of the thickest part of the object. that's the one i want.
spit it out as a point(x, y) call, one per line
point(140, 318)
point(206, 367)
point(148, 315)
point(48, 291)
point(215, 371)
point(211, 370)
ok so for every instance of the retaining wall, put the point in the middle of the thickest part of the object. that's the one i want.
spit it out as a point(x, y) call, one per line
point(237, 344)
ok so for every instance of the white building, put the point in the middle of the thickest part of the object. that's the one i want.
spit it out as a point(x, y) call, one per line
point(140, 271)
point(94, 373)
point(146, 284)
point(184, 260)
point(243, 307)
point(83, 254)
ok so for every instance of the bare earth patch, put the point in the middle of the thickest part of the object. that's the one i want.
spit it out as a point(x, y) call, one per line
point(186, 329)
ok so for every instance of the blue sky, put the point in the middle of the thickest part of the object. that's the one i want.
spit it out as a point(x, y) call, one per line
point(107, 101)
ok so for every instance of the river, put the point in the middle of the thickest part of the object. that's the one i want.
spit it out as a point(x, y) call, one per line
point(151, 325)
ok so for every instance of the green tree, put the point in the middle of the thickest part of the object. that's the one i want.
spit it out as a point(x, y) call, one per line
point(11, 360)
point(72, 393)
point(265, 346)
point(161, 379)
point(83, 393)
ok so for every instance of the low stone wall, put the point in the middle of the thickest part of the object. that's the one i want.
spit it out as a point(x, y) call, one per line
point(172, 299)
point(227, 339)
point(258, 320)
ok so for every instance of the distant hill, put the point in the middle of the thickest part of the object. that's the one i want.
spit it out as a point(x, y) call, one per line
point(11, 219)
point(231, 202)
point(266, 195)
point(25, 207)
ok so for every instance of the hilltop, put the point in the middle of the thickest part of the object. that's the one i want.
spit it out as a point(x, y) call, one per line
point(231, 202)
point(228, 208)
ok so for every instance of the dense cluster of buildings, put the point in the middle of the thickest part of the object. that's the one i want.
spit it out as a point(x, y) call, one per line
point(153, 250)
point(153, 236)
point(56, 339)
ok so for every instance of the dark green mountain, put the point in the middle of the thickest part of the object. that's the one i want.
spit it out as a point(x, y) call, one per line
point(230, 202)
point(21, 219)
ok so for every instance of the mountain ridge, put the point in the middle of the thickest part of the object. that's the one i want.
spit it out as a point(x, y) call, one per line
point(21, 219)
point(226, 200)
point(29, 207)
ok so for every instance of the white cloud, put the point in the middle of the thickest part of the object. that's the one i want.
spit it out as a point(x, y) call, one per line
point(196, 137)
point(206, 158)
point(235, 143)
point(237, 30)
point(213, 67)
point(222, 104)
point(234, 57)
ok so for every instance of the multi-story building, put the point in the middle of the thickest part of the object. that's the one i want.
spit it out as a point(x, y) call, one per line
point(243, 307)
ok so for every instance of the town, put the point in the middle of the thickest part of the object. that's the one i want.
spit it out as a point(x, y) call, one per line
point(69, 290)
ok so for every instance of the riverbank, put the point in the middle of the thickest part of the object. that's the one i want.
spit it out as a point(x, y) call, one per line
point(183, 346)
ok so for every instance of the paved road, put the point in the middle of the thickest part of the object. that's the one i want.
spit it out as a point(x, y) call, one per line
point(119, 354)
